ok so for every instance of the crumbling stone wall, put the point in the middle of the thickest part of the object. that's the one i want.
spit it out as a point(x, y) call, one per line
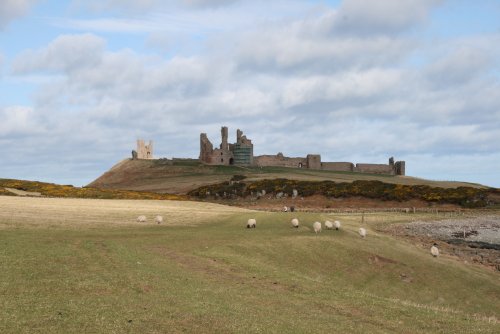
point(314, 161)
point(222, 157)
point(206, 149)
point(338, 166)
point(374, 168)
point(280, 161)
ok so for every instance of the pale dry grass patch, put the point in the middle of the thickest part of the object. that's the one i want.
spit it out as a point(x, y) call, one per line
point(23, 193)
point(18, 212)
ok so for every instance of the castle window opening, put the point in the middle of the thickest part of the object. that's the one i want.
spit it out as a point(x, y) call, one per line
point(231, 161)
point(300, 164)
point(221, 160)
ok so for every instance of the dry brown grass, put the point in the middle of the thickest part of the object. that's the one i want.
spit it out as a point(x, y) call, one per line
point(23, 193)
point(78, 213)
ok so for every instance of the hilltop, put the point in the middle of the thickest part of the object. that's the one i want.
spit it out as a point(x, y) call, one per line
point(180, 176)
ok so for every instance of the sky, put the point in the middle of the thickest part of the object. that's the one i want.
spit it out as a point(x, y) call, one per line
point(352, 80)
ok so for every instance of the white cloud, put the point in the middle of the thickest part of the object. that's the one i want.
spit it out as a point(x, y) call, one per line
point(382, 16)
point(122, 25)
point(283, 49)
point(348, 86)
point(460, 61)
point(12, 9)
point(18, 120)
point(65, 53)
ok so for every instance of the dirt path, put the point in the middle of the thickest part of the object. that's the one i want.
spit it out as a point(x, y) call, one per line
point(23, 193)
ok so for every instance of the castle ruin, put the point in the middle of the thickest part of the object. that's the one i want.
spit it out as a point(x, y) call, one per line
point(241, 154)
point(143, 151)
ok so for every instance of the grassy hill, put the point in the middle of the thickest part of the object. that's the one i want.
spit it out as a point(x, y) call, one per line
point(80, 265)
point(182, 176)
point(12, 187)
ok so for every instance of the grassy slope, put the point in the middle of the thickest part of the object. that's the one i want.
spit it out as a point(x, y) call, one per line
point(155, 175)
point(73, 270)
point(13, 187)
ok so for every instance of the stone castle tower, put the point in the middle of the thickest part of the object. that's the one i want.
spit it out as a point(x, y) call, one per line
point(143, 151)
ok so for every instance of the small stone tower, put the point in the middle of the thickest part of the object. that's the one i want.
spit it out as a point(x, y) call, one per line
point(144, 151)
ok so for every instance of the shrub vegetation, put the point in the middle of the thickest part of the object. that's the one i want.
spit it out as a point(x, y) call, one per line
point(463, 196)
point(55, 190)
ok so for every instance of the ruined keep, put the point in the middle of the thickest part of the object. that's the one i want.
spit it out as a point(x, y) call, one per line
point(143, 151)
point(241, 153)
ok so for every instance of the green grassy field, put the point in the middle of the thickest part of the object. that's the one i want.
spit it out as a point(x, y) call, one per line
point(86, 266)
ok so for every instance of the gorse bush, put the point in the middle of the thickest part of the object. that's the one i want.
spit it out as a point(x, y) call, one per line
point(55, 190)
point(238, 177)
point(464, 196)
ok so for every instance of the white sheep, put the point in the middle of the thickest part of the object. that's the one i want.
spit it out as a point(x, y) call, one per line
point(295, 222)
point(317, 227)
point(141, 219)
point(337, 225)
point(434, 250)
point(362, 232)
point(329, 225)
point(158, 219)
point(251, 223)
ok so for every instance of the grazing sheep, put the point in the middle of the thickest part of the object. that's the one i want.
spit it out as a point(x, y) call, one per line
point(337, 225)
point(141, 219)
point(362, 232)
point(317, 227)
point(285, 209)
point(295, 222)
point(158, 219)
point(251, 223)
point(329, 225)
point(434, 250)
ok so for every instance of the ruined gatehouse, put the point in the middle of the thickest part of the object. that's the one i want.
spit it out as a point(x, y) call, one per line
point(238, 153)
